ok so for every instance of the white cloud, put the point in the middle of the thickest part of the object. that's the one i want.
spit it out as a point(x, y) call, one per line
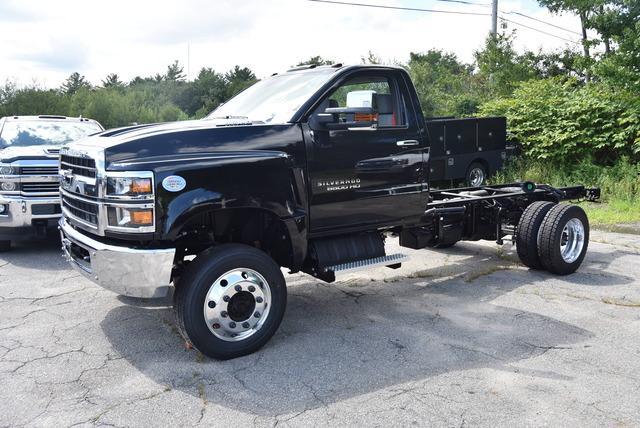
point(47, 40)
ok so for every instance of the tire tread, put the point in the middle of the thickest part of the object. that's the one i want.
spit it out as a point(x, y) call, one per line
point(528, 232)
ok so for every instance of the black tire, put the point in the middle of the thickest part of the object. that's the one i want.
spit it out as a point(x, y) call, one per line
point(470, 175)
point(552, 236)
point(5, 246)
point(195, 283)
point(528, 231)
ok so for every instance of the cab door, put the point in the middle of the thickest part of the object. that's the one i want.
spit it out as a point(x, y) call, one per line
point(371, 174)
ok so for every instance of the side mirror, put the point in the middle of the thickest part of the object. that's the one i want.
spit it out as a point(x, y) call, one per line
point(359, 113)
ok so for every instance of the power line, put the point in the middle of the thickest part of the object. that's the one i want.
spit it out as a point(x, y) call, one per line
point(512, 12)
point(541, 21)
point(539, 31)
point(412, 9)
point(465, 2)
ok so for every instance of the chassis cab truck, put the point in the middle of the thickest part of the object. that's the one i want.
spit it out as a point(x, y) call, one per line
point(309, 170)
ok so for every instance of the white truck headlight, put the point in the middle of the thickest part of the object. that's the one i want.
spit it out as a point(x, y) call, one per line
point(8, 186)
point(7, 169)
point(129, 186)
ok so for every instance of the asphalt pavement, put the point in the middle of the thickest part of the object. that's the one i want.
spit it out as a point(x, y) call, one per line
point(459, 337)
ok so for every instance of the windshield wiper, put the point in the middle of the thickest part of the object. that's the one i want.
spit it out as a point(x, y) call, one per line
point(230, 117)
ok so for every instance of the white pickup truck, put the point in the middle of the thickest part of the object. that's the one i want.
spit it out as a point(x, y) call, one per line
point(29, 180)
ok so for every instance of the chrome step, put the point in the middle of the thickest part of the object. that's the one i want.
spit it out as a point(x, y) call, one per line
point(390, 260)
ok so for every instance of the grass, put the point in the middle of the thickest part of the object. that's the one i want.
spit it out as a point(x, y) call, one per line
point(619, 183)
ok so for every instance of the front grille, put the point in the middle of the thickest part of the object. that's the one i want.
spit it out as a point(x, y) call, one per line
point(39, 170)
point(85, 167)
point(28, 188)
point(85, 211)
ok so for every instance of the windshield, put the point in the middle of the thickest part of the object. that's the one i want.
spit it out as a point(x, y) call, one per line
point(274, 100)
point(43, 132)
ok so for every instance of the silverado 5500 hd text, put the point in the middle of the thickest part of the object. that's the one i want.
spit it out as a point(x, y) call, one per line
point(309, 170)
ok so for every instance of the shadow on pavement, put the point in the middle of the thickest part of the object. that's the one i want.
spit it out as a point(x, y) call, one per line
point(347, 339)
point(42, 252)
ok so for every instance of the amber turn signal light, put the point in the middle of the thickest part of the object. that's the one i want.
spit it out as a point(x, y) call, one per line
point(142, 217)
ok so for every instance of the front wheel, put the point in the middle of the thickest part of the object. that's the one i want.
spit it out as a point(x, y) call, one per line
point(230, 301)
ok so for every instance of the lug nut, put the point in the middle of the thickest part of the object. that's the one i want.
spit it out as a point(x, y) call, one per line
point(232, 325)
point(257, 315)
point(223, 314)
point(259, 299)
point(211, 304)
point(226, 298)
point(252, 288)
point(238, 288)
point(245, 324)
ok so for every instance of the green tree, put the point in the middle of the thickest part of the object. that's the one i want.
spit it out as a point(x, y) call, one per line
point(500, 67)
point(315, 60)
point(175, 72)
point(585, 9)
point(112, 81)
point(238, 79)
point(371, 58)
point(445, 85)
point(620, 21)
point(74, 83)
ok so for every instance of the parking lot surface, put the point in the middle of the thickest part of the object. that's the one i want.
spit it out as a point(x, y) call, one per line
point(464, 336)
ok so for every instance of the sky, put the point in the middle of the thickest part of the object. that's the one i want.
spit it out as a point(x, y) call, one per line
point(42, 42)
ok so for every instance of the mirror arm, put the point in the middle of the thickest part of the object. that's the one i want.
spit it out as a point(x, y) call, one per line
point(349, 110)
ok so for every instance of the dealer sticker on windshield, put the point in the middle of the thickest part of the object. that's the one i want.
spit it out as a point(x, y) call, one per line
point(174, 183)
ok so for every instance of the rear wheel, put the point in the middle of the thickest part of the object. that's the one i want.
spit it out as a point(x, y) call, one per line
point(476, 174)
point(564, 238)
point(230, 301)
point(528, 231)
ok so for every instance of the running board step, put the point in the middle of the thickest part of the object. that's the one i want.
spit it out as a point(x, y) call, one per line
point(392, 261)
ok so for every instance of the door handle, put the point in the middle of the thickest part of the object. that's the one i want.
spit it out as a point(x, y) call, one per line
point(405, 143)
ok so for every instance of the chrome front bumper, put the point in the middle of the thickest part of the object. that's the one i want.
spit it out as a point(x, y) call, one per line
point(123, 270)
point(20, 210)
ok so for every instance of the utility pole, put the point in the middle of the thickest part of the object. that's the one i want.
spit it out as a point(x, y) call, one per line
point(494, 18)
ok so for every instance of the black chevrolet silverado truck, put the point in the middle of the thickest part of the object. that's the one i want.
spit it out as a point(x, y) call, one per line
point(311, 170)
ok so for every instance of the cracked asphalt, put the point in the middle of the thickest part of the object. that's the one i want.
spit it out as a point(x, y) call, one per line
point(464, 336)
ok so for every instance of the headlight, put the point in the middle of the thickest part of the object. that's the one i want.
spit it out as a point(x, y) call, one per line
point(8, 186)
point(129, 186)
point(7, 170)
point(130, 217)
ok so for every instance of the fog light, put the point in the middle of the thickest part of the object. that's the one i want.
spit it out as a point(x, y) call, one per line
point(4, 208)
point(8, 186)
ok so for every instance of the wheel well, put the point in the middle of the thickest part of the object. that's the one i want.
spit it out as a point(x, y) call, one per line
point(258, 228)
point(481, 161)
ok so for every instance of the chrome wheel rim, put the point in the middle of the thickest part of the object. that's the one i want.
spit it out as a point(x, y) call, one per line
point(572, 240)
point(476, 176)
point(237, 304)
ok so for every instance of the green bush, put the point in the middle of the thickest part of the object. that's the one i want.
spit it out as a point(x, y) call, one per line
point(619, 183)
point(561, 120)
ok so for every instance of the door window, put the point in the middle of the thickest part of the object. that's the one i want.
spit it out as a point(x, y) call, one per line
point(378, 92)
